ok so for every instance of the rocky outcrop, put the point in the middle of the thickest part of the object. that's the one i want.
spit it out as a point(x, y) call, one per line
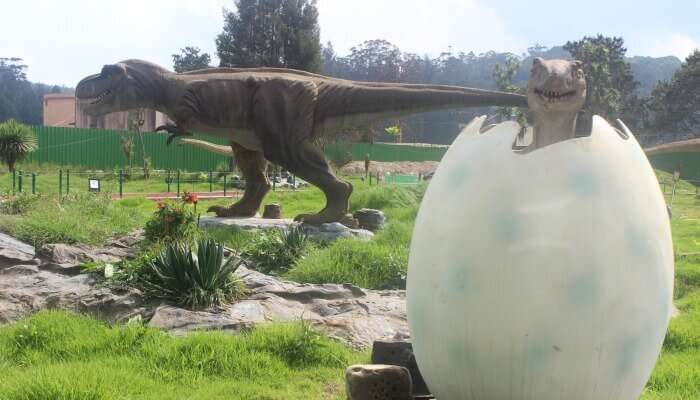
point(346, 312)
point(370, 219)
point(54, 280)
point(377, 382)
point(324, 233)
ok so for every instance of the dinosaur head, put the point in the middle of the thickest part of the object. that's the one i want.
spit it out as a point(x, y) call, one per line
point(556, 86)
point(119, 87)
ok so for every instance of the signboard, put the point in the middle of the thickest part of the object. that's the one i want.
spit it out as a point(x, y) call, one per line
point(93, 185)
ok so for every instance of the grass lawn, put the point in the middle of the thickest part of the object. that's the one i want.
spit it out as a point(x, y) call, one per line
point(54, 355)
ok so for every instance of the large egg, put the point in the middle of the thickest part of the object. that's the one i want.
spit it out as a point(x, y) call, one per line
point(540, 275)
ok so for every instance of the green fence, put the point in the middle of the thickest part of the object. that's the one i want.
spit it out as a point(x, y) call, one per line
point(101, 149)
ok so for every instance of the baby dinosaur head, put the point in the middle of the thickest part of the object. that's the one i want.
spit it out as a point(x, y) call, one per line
point(556, 86)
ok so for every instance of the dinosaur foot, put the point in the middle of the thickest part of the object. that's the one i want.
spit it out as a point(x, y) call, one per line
point(323, 217)
point(234, 211)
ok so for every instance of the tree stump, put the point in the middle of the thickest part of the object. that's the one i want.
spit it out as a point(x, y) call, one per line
point(378, 382)
point(272, 211)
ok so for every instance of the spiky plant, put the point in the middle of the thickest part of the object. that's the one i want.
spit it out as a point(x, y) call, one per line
point(16, 141)
point(195, 276)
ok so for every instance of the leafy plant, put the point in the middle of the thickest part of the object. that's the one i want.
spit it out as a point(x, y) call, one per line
point(16, 141)
point(19, 204)
point(195, 276)
point(277, 250)
point(171, 221)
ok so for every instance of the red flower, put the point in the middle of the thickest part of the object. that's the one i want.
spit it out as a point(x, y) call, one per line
point(190, 198)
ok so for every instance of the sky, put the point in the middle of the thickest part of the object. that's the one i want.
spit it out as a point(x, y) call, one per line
point(63, 41)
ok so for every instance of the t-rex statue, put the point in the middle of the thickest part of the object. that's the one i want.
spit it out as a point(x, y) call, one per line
point(556, 93)
point(271, 114)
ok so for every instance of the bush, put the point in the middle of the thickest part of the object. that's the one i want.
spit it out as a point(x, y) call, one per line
point(195, 276)
point(171, 221)
point(20, 204)
point(277, 250)
point(16, 141)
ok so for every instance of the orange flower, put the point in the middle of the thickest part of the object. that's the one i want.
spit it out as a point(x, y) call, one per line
point(161, 205)
point(190, 198)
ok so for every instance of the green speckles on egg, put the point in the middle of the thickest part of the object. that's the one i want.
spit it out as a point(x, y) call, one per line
point(585, 183)
point(585, 289)
point(508, 227)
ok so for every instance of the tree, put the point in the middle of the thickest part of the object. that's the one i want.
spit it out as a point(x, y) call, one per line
point(190, 59)
point(611, 83)
point(16, 142)
point(271, 33)
point(375, 60)
point(676, 104)
point(503, 75)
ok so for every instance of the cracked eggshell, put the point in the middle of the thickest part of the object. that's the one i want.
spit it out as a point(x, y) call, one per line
point(542, 275)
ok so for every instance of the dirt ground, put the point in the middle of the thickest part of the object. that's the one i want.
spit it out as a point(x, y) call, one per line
point(400, 167)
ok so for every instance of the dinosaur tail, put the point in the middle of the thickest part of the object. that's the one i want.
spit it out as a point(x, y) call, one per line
point(388, 100)
point(214, 148)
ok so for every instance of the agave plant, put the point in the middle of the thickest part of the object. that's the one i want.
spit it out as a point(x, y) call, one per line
point(195, 276)
point(16, 141)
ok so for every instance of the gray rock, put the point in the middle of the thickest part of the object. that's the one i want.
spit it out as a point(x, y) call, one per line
point(13, 252)
point(378, 382)
point(370, 219)
point(60, 253)
point(355, 316)
point(323, 233)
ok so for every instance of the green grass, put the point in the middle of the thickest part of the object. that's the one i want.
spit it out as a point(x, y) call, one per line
point(78, 218)
point(55, 355)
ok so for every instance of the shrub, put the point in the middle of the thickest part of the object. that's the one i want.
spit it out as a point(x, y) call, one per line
point(195, 276)
point(16, 141)
point(277, 250)
point(19, 204)
point(173, 221)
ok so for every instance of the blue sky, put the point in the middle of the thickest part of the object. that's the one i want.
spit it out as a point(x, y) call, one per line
point(62, 41)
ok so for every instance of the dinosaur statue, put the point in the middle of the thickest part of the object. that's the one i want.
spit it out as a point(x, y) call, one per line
point(271, 114)
point(556, 93)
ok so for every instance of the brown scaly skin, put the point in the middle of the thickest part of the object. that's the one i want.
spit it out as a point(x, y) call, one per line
point(271, 114)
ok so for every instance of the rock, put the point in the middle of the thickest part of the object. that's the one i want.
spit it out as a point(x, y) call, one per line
point(399, 351)
point(323, 233)
point(350, 222)
point(378, 382)
point(13, 252)
point(352, 315)
point(272, 211)
point(60, 253)
point(370, 219)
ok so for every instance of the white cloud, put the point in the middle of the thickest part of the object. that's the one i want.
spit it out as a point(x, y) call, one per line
point(63, 41)
point(416, 26)
point(676, 44)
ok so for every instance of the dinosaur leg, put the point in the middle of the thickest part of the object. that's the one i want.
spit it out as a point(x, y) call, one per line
point(252, 166)
point(313, 167)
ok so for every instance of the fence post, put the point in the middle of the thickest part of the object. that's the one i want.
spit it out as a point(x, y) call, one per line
point(178, 183)
point(14, 181)
point(211, 182)
point(60, 182)
point(33, 183)
point(225, 184)
point(68, 182)
point(19, 182)
point(121, 183)
point(168, 180)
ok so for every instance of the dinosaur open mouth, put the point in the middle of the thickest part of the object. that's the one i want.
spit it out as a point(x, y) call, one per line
point(99, 98)
point(553, 96)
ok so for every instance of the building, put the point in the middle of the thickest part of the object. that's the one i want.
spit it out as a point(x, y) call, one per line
point(62, 109)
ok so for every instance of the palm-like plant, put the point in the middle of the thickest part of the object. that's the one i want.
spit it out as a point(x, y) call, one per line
point(195, 276)
point(16, 141)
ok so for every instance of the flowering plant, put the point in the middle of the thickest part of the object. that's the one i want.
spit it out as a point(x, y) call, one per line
point(172, 221)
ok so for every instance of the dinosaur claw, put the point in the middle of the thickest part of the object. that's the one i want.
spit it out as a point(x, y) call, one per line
point(170, 139)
